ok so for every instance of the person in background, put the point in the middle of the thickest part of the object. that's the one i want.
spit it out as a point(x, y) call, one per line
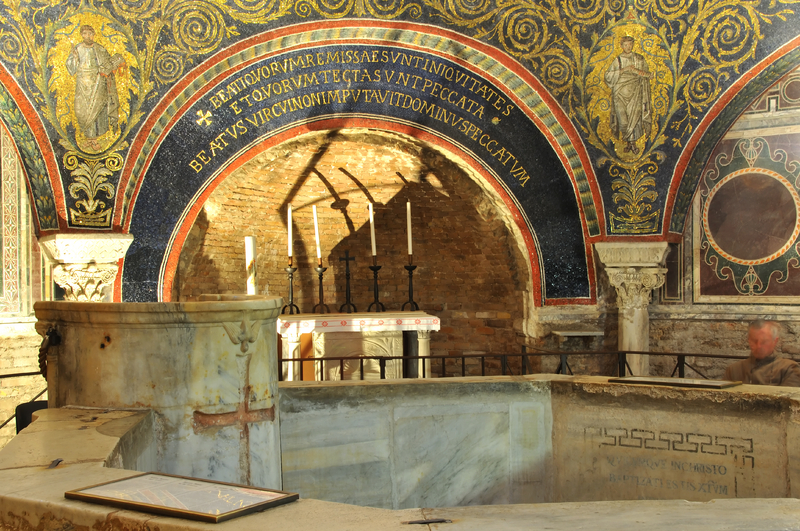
point(763, 367)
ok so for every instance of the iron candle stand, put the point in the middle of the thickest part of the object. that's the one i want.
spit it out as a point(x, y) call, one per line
point(291, 306)
point(413, 306)
point(348, 305)
point(376, 303)
point(321, 307)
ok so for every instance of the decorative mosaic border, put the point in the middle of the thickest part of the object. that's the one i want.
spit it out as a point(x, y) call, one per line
point(358, 323)
point(10, 217)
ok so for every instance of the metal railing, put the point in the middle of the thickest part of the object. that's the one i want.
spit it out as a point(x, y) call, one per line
point(17, 375)
point(504, 365)
point(323, 365)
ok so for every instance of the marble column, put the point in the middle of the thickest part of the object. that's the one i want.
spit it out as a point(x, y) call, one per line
point(86, 264)
point(424, 350)
point(635, 269)
point(290, 348)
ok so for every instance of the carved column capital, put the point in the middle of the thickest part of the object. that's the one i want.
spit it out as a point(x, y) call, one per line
point(85, 282)
point(634, 269)
point(86, 264)
point(635, 285)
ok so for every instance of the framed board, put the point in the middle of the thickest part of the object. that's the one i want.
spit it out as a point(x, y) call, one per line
point(182, 497)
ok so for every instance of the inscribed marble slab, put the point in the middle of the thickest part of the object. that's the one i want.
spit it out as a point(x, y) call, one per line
point(614, 452)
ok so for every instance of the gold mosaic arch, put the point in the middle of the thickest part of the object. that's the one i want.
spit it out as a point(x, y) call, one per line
point(563, 136)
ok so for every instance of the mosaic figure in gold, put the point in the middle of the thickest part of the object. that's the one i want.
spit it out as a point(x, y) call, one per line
point(96, 97)
point(628, 77)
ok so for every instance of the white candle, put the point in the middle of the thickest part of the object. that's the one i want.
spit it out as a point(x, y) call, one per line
point(316, 235)
point(250, 264)
point(290, 230)
point(408, 225)
point(372, 230)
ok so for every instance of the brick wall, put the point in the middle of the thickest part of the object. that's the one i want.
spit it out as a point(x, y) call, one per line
point(470, 271)
point(19, 352)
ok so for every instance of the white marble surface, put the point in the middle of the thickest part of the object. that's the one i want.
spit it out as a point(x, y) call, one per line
point(341, 455)
point(186, 361)
point(358, 322)
point(32, 495)
point(452, 454)
point(85, 248)
point(471, 441)
point(416, 443)
point(357, 345)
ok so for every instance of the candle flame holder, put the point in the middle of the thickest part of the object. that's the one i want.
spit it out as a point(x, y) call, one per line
point(413, 306)
point(291, 306)
point(378, 305)
point(321, 307)
point(348, 306)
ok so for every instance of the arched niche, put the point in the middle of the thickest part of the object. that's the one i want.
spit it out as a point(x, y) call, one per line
point(475, 267)
point(463, 97)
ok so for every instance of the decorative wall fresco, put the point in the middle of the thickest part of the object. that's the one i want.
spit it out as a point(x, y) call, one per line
point(692, 51)
point(747, 225)
point(37, 174)
point(640, 81)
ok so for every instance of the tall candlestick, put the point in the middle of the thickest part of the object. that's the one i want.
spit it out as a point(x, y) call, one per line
point(289, 223)
point(250, 264)
point(372, 230)
point(408, 225)
point(316, 235)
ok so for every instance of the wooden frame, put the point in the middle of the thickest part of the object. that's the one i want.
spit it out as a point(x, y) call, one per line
point(183, 497)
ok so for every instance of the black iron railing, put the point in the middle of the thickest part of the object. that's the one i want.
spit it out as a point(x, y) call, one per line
point(17, 375)
point(324, 365)
point(504, 365)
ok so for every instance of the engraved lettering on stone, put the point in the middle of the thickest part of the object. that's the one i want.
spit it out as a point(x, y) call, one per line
point(613, 433)
point(663, 443)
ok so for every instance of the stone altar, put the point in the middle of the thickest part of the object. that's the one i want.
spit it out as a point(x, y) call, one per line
point(206, 369)
point(355, 335)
